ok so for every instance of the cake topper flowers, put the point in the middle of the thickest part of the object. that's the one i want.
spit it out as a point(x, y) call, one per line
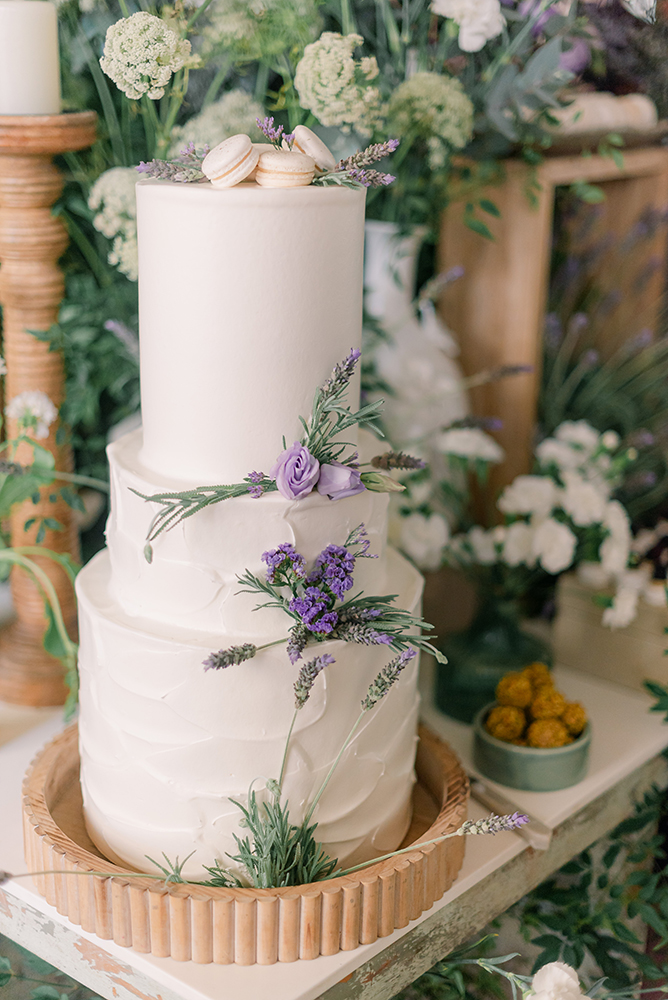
point(320, 461)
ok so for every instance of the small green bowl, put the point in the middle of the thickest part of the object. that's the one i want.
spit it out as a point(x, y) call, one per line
point(529, 768)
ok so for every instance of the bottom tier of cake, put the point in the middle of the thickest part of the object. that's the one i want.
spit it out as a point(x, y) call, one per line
point(166, 744)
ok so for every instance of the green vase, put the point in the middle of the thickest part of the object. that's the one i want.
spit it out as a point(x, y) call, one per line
point(479, 656)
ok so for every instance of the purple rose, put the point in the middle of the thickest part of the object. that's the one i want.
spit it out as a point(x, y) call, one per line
point(295, 471)
point(338, 481)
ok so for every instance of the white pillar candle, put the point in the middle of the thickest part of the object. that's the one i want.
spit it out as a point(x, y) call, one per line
point(29, 64)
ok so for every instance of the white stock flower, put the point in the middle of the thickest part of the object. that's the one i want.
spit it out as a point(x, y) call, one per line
point(141, 52)
point(529, 495)
point(559, 453)
point(583, 501)
point(614, 550)
point(623, 609)
point(478, 20)
point(423, 539)
point(592, 575)
point(33, 410)
point(233, 114)
point(553, 545)
point(483, 544)
point(556, 981)
point(469, 442)
point(113, 198)
point(578, 433)
point(336, 87)
point(518, 544)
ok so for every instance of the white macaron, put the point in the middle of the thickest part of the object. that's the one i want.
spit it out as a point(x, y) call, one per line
point(312, 145)
point(231, 161)
point(280, 168)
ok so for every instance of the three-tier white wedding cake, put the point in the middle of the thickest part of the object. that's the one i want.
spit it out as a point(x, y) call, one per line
point(248, 298)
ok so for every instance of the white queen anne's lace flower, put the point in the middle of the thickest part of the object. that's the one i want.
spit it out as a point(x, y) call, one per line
point(578, 433)
point(233, 114)
point(478, 20)
point(34, 411)
point(436, 108)
point(141, 53)
point(113, 198)
point(336, 87)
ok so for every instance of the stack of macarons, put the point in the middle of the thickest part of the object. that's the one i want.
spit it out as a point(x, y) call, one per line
point(239, 159)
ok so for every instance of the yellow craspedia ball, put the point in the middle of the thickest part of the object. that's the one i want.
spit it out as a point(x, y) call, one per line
point(548, 733)
point(514, 689)
point(574, 717)
point(506, 722)
point(548, 704)
point(538, 674)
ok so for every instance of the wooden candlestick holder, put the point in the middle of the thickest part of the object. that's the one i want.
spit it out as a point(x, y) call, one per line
point(31, 289)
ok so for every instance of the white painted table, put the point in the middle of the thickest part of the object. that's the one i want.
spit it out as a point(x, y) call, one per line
point(625, 761)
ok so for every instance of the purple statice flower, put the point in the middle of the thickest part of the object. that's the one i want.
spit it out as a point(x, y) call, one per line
point(590, 358)
point(342, 373)
point(359, 541)
point(299, 637)
point(282, 562)
point(334, 569)
point(492, 824)
point(384, 680)
point(338, 481)
point(296, 472)
point(307, 677)
point(371, 178)
point(312, 606)
point(635, 345)
point(642, 438)
point(227, 657)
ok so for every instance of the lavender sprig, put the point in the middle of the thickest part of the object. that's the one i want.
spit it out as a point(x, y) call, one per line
point(277, 136)
point(299, 637)
point(228, 657)
point(307, 677)
point(397, 460)
point(365, 157)
point(363, 634)
point(352, 171)
point(492, 824)
point(386, 678)
point(185, 168)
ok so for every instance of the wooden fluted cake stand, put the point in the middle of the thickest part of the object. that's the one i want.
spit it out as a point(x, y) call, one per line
point(243, 926)
point(31, 289)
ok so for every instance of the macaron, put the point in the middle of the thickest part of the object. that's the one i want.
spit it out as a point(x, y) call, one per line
point(280, 168)
point(262, 147)
point(231, 161)
point(312, 145)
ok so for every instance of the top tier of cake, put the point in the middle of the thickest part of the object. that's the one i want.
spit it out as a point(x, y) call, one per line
point(248, 296)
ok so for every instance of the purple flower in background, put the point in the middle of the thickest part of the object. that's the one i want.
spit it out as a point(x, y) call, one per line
point(285, 559)
point(296, 472)
point(575, 59)
point(338, 481)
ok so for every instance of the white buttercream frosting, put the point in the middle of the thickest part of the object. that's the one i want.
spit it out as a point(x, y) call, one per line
point(165, 744)
point(193, 575)
point(248, 297)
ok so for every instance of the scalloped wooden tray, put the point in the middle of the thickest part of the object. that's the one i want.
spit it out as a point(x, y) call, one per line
point(244, 926)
